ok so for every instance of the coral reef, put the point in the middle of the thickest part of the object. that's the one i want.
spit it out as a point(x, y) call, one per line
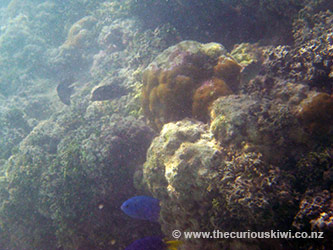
point(30, 32)
point(250, 57)
point(76, 180)
point(126, 58)
point(252, 194)
point(185, 79)
point(14, 128)
point(260, 174)
point(238, 174)
point(315, 170)
point(315, 178)
point(259, 123)
point(208, 92)
point(242, 146)
point(310, 60)
point(300, 75)
point(68, 174)
point(203, 185)
point(184, 145)
point(76, 51)
point(181, 164)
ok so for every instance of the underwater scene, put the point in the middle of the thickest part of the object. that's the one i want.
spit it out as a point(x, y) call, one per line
point(166, 124)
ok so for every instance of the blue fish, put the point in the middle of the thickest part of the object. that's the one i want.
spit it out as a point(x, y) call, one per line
point(153, 243)
point(142, 207)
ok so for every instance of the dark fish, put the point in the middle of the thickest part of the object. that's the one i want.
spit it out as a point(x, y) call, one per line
point(153, 243)
point(142, 207)
point(108, 92)
point(250, 71)
point(65, 91)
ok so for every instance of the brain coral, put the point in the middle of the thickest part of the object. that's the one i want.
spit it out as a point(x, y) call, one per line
point(185, 79)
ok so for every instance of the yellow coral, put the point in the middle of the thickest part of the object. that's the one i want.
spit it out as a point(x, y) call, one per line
point(213, 49)
point(246, 53)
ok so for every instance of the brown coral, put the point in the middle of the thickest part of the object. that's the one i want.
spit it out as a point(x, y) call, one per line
point(316, 113)
point(203, 97)
point(185, 79)
point(228, 70)
point(167, 94)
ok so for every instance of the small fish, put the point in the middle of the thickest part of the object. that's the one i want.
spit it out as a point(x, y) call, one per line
point(65, 91)
point(108, 92)
point(154, 243)
point(142, 207)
